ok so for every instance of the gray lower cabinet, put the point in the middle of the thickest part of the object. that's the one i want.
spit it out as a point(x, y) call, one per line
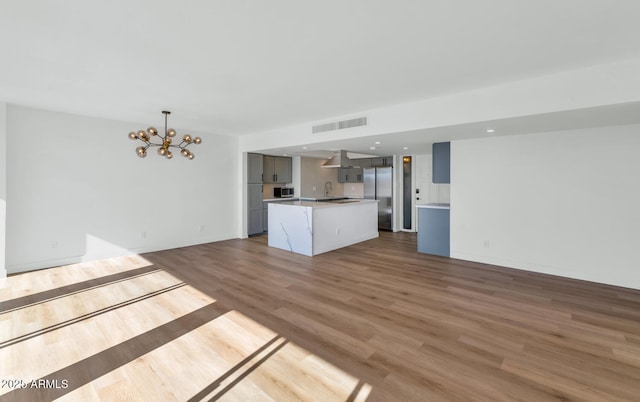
point(254, 210)
point(433, 231)
point(265, 216)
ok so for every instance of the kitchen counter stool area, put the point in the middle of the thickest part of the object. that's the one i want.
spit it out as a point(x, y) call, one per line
point(311, 228)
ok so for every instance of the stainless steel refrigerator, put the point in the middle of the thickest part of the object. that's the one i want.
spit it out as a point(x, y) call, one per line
point(378, 185)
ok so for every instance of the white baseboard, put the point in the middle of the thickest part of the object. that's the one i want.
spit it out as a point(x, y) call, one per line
point(35, 265)
point(564, 272)
point(56, 262)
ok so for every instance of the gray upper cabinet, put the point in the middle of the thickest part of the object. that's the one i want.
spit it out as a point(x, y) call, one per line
point(350, 175)
point(441, 162)
point(268, 168)
point(362, 163)
point(254, 170)
point(283, 169)
point(342, 174)
point(384, 161)
point(357, 175)
point(276, 169)
point(354, 174)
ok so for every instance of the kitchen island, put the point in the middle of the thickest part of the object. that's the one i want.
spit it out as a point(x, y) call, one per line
point(315, 227)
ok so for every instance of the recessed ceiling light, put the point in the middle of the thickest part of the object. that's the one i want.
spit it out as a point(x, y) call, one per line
point(372, 148)
point(405, 148)
point(305, 147)
point(377, 142)
point(490, 130)
point(284, 154)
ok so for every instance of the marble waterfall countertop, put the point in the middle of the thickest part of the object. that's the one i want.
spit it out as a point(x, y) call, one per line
point(435, 205)
point(315, 227)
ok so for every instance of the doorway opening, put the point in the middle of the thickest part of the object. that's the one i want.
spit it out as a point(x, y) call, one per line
point(407, 197)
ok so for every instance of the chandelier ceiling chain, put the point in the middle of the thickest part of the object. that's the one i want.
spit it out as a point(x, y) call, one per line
point(164, 146)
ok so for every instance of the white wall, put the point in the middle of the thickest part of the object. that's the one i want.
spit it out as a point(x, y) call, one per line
point(606, 84)
point(429, 192)
point(3, 185)
point(562, 203)
point(76, 189)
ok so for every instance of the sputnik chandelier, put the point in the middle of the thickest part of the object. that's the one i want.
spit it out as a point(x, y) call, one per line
point(165, 146)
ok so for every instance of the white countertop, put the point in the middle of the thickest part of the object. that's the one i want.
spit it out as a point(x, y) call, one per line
point(329, 197)
point(321, 204)
point(285, 199)
point(435, 205)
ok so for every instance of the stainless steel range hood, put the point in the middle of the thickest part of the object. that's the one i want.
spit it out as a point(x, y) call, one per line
point(340, 159)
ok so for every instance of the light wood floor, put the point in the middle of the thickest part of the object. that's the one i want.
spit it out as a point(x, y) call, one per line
point(237, 320)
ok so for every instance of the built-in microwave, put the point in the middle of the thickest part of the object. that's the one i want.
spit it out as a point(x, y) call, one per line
point(282, 192)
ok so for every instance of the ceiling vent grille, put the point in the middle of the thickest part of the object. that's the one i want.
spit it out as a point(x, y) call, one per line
point(339, 125)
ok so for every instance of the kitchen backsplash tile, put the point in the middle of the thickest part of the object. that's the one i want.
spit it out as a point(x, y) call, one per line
point(313, 178)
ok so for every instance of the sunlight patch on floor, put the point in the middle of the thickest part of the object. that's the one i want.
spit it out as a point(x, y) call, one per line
point(126, 313)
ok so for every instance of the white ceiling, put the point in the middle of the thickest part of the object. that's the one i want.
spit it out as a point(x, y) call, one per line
point(243, 66)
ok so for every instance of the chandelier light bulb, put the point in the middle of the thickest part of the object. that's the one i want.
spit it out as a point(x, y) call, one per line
point(169, 155)
point(171, 132)
point(197, 140)
point(133, 135)
point(187, 138)
point(152, 131)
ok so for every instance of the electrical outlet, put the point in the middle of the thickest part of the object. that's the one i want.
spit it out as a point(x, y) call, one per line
point(486, 244)
point(314, 189)
point(143, 235)
point(201, 228)
point(54, 244)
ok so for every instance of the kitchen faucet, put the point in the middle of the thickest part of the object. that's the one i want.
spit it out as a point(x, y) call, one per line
point(327, 187)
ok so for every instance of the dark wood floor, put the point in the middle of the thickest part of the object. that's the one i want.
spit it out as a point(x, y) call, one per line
point(419, 327)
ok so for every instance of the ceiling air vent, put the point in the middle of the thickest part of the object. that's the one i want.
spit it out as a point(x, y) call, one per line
point(339, 125)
